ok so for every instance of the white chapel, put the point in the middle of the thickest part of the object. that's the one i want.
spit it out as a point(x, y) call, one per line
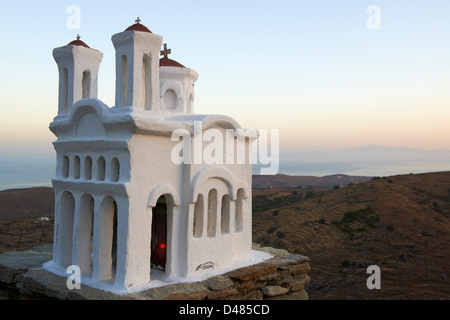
point(125, 212)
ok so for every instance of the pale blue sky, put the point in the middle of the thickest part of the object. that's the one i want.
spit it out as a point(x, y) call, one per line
point(309, 68)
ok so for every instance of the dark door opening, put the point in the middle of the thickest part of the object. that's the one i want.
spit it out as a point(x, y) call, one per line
point(159, 235)
point(114, 241)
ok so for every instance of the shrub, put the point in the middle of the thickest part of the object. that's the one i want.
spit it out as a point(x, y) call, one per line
point(280, 234)
point(373, 221)
point(309, 194)
point(271, 230)
point(367, 216)
point(345, 263)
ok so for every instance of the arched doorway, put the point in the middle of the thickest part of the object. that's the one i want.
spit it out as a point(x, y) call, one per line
point(86, 233)
point(64, 231)
point(107, 240)
point(159, 235)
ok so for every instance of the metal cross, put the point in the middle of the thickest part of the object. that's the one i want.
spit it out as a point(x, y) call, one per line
point(137, 20)
point(78, 37)
point(166, 51)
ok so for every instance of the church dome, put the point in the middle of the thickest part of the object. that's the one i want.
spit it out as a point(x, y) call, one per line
point(138, 27)
point(166, 62)
point(78, 42)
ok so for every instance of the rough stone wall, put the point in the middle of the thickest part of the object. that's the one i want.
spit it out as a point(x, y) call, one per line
point(282, 277)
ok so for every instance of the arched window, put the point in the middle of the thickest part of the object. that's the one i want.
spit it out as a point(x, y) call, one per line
point(65, 167)
point(239, 219)
point(114, 171)
point(76, 167)
point(212, 213)
point(101, 167)
point(86, 84)
point(170, 99)
point(88, 168)
point(225, 215)
point(124, 81)
point(146, 82)
point(198, 216)
point(65, 90)
point(190, 104)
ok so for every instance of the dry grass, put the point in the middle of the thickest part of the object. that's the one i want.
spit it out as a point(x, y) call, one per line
point(406, 233)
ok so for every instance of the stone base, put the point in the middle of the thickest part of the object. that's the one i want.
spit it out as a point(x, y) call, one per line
point(281, 278)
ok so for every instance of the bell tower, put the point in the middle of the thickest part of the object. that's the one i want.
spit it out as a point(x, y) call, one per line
point(137, 67)
point(78, 67)
point(177, 85)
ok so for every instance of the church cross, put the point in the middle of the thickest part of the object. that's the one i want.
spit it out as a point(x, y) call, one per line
point(166, 51)
point(137, 20)
point(78, 37)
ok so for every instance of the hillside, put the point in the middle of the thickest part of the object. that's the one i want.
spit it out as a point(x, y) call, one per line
point(20, 212)
point(399, 223)
point(26, 203)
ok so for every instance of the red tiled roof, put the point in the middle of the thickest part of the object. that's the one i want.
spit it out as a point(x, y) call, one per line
point(138, 27)
point(78, 43)
point(166, 62)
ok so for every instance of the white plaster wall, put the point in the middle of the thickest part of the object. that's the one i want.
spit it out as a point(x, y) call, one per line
point(98, 143)
point(215, 249)
point(151, 167)
point(134, 45)
point(76, 59)
point(223, 250)
point(181, 81)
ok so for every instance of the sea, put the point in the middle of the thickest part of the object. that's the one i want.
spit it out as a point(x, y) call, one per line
point(19, 174)
point(39, 173)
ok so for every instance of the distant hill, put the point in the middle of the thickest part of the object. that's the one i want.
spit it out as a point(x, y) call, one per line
point(374, 154)
point(26, 203)
point(286, 181)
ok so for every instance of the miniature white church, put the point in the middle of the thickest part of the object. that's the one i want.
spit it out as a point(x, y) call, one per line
point(124, 211)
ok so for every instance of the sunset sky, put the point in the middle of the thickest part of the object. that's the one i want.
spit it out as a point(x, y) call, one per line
point(312, 69)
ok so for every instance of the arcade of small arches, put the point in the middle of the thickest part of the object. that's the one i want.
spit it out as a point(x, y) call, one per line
point(87, 235)
point(216, 209)
point(76, 169)
point(79, 235)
